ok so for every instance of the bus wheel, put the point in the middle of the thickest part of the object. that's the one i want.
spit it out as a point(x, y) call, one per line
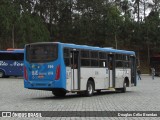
point(90, 88)
point(59, 93)
point(2, 74)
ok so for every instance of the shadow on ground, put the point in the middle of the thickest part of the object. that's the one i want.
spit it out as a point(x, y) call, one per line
point(74, 95)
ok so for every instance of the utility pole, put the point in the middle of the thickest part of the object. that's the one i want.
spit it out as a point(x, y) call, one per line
point(115, 37)
point(13, 36)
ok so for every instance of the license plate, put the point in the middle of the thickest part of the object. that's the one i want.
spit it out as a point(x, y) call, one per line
point(41, 76)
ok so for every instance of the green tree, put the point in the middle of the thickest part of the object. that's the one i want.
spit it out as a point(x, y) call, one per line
point(31, 29)
point(19, 25)
point(8, 18)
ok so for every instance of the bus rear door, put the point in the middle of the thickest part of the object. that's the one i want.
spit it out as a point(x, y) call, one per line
point(111, 65)
point(133, 70)
point(75, 69)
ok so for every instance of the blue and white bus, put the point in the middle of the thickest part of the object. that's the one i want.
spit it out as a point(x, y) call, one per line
point(11, 62)
point(63, 68)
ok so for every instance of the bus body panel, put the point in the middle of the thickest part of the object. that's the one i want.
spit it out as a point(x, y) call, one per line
point(42, 75)
point(119, 78)
point(121, 74)
point(12, 67)
point(68, 79)
point(11, 62)
point(99, 75)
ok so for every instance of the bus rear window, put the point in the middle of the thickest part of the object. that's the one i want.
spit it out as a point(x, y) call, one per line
point(41, 53)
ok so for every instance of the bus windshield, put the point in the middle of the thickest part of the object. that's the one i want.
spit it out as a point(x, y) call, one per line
point(41, 53)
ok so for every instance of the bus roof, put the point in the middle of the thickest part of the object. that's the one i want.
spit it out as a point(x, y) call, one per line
point(110, 49)
point(12, 51)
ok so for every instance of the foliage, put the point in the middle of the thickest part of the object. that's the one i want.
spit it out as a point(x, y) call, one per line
point(18, 23)
point(94, 22)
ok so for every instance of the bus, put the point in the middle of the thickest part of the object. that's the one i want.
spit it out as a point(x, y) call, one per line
point(63, 68)
point(11, 63)
point(155, 63)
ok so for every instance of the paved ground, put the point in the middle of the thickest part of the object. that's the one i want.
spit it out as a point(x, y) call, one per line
point(144, 97)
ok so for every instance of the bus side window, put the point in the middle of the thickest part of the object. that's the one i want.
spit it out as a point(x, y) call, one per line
point(102, 59)
point(66, 61)
point(110, 63)
point(85, 58)
point(66, 54)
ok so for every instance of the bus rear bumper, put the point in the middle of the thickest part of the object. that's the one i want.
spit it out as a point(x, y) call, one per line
point(42, 85)
point(34, 85)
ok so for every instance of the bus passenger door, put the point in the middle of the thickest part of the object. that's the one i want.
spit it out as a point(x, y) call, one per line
point(133, 70)
point(111, 68)
point(75, 70)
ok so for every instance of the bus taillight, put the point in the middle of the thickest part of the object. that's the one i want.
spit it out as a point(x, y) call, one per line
point(25, 73)
point(57, 73)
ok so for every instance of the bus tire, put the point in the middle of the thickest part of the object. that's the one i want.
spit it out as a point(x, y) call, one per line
point(2, 74)
point(90, 89)
point(123, 90)
point(59, 93)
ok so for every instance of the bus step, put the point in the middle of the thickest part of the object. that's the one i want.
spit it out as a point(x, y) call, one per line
point(75, 90)
point(113, 89)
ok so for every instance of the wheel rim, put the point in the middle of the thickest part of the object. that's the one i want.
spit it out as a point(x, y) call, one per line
point(90, 89)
